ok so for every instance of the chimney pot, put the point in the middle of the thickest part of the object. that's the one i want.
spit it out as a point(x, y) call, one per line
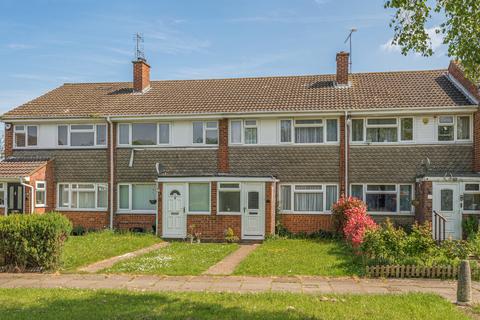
point(342, 68)
point(141, 75)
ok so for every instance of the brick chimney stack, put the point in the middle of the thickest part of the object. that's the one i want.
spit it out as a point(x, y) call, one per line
point(141, 76)
point(342, 68)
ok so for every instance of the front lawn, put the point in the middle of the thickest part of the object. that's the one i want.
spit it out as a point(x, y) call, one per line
point(95, 246)
point(301, 257)
point(101, 304)
point(180, 258)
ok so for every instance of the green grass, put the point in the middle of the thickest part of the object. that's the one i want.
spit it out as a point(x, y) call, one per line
point(95, 246)
point(107, 304)
point(301, 257)
point(180, 258)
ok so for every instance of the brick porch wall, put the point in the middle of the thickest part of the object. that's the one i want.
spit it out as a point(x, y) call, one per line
point(8, 140)
point(270, 207)
point(307, 223)
point(88, 219)
point(397, 220)
point(129, 221)
point(423, 210)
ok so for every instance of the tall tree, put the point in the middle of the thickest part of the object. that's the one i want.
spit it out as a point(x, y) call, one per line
point(460, 29)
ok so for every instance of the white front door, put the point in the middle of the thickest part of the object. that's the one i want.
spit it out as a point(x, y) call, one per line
point(446, 201)
point(253, 215)
point(174, 217)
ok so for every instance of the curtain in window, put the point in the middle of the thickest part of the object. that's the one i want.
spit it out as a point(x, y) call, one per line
point(198, 194)
point(463, 128)
point(250, 135)
point(357, 130)
point(331, 197)
point(286, 196)
point(198, 132)
point(86, 199)
point(123, 133)
point(382, 134)
point(236, 132)
point(309, 135)
point(164, 133)
point(286, 131)
point(308, 202)
point(102, 193)
point(141, 196)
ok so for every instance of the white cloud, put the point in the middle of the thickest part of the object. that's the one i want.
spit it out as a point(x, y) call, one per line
point(19, 46)
point(436, 42)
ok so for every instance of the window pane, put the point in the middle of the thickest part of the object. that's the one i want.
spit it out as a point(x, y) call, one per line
point(198, 197)
point(446, 200)
point(63, 200)
point(309, 187)
point(229, 185)
point(82, 127)
point(309, 135)
point(382, 202)
point(253, 200)
point(472, 187)
point(81, 139)
point(250, 135)
point(141, 196)
point(406, 198)
point(164, 133)
point(124, 197)
point(445, 133)
point(20, 139)
point(212, 125)
point(308, 202)
point(102, 193)
point(123, 133)
point(382, 134)
point(62, 135)
point(229, 201)
point(407, 129)
point(463, 128)
point(211, 136)
point(357, 191)
point(471, 201)
point(445, 119)
point(286, 197)
point(32, 135)
point(357, 130)
point(86, 199)
point(388, 121)
point(381, 187)
point(198, 132)
point(39, 197)
point(2, 198)
point(101, 135)
point(332, 130)
point(144, 134)
point(286, 131)
point(236, 131)
point(331, 197)
point(313, 121)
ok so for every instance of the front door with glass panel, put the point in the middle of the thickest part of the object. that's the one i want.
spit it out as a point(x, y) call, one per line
point(446, 201)
point(15, 198)
point(174, 216)
point(253, 215)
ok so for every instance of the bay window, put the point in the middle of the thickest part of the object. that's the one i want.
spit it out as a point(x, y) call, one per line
point(82, 196)
point(453, 128)
point(40, 193)
point(471, 197)
point(307, 198)
point(199, 198)
point(384, 198)
point(82, 135)
point(229, 197)
point(245, 131)
point(137, 197)
point(25, 136)
point(205, 132)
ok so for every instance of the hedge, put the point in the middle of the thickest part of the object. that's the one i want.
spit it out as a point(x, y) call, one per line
point(33, 240)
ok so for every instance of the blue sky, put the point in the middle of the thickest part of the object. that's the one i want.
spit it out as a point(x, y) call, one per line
point(45, 43)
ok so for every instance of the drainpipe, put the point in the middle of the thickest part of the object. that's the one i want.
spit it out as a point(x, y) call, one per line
point(347, 124)
point(31, 193)
point(112, 170)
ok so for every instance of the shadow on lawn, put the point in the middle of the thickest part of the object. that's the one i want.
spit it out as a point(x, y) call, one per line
point(348, 260)
point(127, 305)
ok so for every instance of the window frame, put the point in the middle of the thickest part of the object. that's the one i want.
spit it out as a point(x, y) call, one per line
point(398, 126)
point(397, 192)
point(130, 135)
point(204, 133)
point(25, 132)
point(187, 202)
point(294, 125)
point(292, 197)
point(69, 208)
point(464, 191)
point(455, 128)
point(69, 137)
point(3, 189)
point(243, 126)
point(239, 189)
point(130, 198)
point(41, 189)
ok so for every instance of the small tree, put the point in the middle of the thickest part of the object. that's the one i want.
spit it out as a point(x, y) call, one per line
point(340, 207)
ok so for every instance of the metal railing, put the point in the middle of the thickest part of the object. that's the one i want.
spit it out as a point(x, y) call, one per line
point(438, 226)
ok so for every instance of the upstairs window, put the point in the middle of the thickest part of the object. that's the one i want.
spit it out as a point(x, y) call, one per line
point(143, 134)
point(308, 131)
point(243, 132)
point(25, 136)
point(451, 128)
point(382, 130)
point(82, 135)
point(205, 132)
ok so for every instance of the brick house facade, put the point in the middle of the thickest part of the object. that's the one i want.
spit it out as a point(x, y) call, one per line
point(202, 156)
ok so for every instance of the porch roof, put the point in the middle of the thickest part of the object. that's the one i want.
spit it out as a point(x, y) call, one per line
point(16, 168)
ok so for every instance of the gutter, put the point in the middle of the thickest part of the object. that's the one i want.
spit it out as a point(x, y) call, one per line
point(31, 193)
point(112, 170)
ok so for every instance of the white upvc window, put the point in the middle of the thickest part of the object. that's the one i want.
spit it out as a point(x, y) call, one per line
point(454, 128)
point(471, 197)
point(144, 134)
point(385, 198)
point(308, 131)
point(205, 132)
point(137, 198)
point(40, 193)
point(82, 135)
point(382, 130)
point(229, 198)
point(198, 198)
point(244, 131)
point(3, 192)
point(305, 198)
point(25, 136)
point(82, 196)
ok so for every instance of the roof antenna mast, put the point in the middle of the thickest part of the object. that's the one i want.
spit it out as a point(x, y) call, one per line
point(349, 39)
point(139, 52)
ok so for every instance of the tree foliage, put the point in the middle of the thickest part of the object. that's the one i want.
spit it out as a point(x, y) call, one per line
point(460, 29)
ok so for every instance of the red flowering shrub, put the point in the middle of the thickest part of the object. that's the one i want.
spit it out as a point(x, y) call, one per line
point(340, 208)
point(358, 222)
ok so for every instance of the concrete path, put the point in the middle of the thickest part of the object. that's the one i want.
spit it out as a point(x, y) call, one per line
point(240, 284)
point(107, 263)
point(228, 264)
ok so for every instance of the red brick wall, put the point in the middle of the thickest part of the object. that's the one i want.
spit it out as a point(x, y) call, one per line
point(343, 145)
point(423, 209)
point(160, 209)
point(8, 140)
point(396, 220)
point(45, 173)
point(88, 219)
point(141, 76)
point(342, 68)
point(129, 221)
point(270, 207)
point(455, 71)
point(112, 188)
point(308, 223)
point(222, 153)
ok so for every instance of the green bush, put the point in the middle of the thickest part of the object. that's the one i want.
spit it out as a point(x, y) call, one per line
point(470, 227)
point(33, 241)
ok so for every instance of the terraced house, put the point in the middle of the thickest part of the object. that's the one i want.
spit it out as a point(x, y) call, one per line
point(205, 155)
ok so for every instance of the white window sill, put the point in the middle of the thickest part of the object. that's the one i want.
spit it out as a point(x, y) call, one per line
point(135, 212)
point(229, 213)
point(391, 213)
point(325, 213)
point(40, 206)
point(81, 209)
point(199, 213)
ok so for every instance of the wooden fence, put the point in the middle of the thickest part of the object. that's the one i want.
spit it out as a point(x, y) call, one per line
point(443, 272)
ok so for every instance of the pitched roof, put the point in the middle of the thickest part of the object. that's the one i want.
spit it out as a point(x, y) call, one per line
point(407, 89)
point(19, 167)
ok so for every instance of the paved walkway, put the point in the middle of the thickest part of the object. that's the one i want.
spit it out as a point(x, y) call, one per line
point(241, 284)
point(228, 264)
point(100, 265)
